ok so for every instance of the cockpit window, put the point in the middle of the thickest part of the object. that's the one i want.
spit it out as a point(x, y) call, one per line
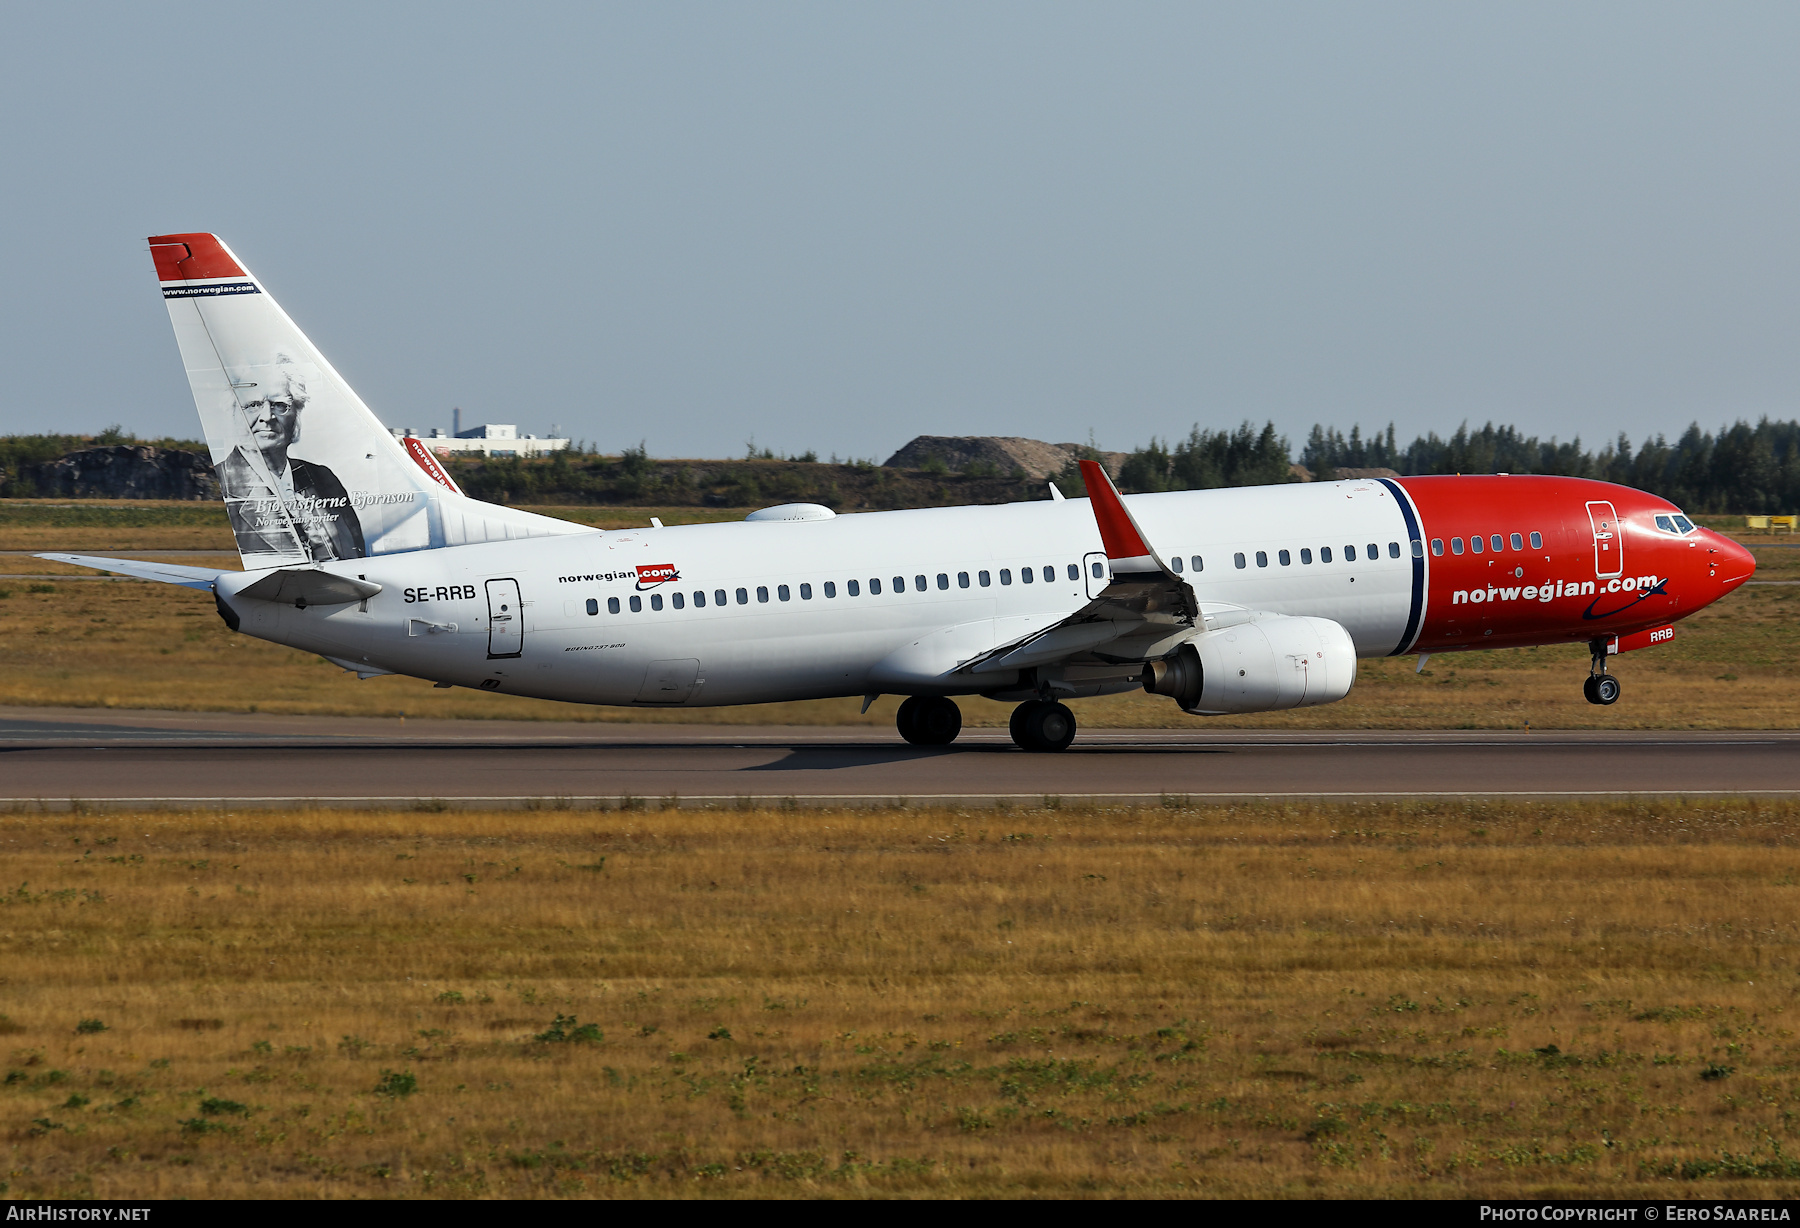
point(1666, 523)
point(1684, 524)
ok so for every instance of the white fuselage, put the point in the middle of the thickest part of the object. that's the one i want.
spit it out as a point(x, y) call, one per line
point(867, 625)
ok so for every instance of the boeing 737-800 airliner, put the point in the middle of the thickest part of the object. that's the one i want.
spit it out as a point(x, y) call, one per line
point(360, 547)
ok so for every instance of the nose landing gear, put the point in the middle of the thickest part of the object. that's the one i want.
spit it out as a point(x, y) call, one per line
point(1043, 727)
point(1600, 687)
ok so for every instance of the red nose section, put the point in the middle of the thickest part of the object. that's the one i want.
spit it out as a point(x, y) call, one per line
point(1733, 563)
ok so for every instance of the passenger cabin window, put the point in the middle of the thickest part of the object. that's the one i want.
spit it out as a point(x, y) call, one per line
point(1418, 548)
point(677, 600)
point(806, 592)
point(656, 601)
point(943, 579)
point(900, 584)
point(1239, 560)
point(874, 586)
point(700, 599)
point(1497, 542)
point(1175, 564)
point(919, 583)
point(1437, 546)
point(1306, 556)
point(1349, 554)
point(1393, 550)
point(986, 578)
point(1375, 552)
point(1284, 558)
point(1074, 572)
point(830, 587)
point(612, 605)
point(1005, 576)
point(1475, 546)
point(1518, 542)
point(593, 605)
point(1262, 558)
point(1324, 554)
point(743, 597)
point(1099, 571)
point(718, 596)
point(1027, 575)
point(1197, 563)
point(637, 605)
point(784, 592)
point(762, 592)
point(852, 588)
point(1456, 546)
point(1537, 541)
point(962, 579)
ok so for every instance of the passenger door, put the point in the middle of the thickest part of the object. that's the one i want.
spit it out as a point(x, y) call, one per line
point(1609, 544)
point(506, 619)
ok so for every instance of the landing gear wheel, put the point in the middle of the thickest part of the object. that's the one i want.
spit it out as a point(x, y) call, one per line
point(1601, 689)
point(1020, 714)
point(1043, 727)
point(929, 720)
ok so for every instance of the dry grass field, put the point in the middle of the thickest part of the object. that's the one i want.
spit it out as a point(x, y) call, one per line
point(1447, 1000)
point(127, 644)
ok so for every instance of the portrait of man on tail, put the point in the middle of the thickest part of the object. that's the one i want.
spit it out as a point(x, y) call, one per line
point(279, 504)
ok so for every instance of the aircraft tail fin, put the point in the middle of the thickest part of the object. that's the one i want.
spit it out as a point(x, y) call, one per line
point(309, 474)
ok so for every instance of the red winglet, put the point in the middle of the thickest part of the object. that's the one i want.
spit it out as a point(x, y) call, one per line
point(1119, 533)
point(421, 454)
point(195, 257)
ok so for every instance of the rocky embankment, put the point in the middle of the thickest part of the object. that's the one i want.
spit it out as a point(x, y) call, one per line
point(122, 471)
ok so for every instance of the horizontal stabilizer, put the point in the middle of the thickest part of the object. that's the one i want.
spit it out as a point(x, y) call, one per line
point(166, 573)
point(303, 586)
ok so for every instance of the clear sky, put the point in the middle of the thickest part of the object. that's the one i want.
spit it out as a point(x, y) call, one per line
point(837, 226)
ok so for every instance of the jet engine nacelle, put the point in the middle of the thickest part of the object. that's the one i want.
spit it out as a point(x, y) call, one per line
point(1259, 666)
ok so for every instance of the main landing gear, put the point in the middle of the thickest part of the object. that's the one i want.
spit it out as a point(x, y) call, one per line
point(1600, 687)
point(1041, 726)
point(929, 720)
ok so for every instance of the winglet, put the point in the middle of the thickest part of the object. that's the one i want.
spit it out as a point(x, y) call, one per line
point(1126, 548)
point(415, 448)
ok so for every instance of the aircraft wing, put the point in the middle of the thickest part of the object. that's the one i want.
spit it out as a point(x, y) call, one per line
point(166, 573)
point(1145, 606)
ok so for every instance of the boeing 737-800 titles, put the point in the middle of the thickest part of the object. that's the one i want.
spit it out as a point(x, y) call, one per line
point(360, 547)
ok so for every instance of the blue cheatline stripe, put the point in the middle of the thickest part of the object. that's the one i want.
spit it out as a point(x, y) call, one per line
point(1418, 587)
point(236, 287)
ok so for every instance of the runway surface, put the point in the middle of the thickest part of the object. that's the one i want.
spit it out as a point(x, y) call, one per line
point(58, 757)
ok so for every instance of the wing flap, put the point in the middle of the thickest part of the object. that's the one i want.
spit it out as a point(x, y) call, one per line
point(1143, 610)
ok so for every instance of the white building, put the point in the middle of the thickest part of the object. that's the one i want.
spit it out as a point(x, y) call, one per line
point(489, 439)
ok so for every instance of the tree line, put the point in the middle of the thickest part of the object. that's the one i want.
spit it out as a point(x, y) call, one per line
point(1740, 469)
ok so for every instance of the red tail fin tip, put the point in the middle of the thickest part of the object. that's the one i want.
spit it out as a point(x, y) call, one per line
point(195, 257)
